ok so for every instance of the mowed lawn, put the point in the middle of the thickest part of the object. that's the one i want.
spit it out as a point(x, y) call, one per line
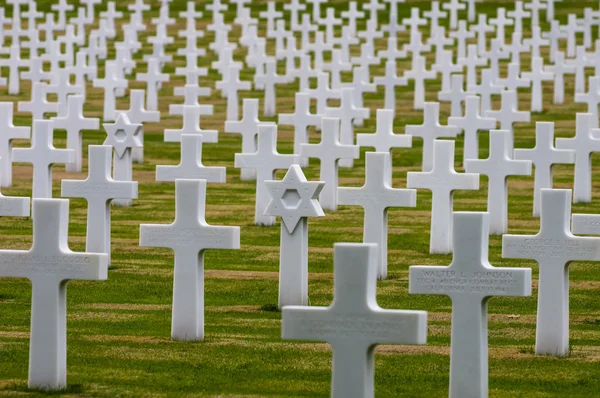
point(119, 330)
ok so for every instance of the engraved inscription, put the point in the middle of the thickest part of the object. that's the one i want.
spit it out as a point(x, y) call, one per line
point(173, 237)
point(350, 325)
point(27, 264)
point(559, 248)
point(589, 223)
point(98, 189)
point(6, 206)
point(446, 281)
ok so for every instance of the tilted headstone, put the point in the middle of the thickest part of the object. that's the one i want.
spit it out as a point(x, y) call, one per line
point(329, 151)
point(189, 236)
point(376, 196)
point(190, 166)
point(98, 189)
point(123, 136)
point(584, 144)
point(543, 156)
point(265, 161)
point(497, 167)
point(49, 264)
point(553, 247)
point(10, 132)
point(469, 281)
point(42, 155)
point(354, 323)
point(294, 199)
point(384, 139)
point(430, 131)
point(74, 123)
point(442, 180)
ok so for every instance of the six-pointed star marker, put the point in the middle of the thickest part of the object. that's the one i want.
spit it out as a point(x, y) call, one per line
point(294, 197)
point(122, 134)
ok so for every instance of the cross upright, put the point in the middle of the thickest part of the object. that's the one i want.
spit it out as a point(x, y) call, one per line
point(517, 47)
point(153, 78)
point(384, 138)
point(560, 68)
point(294, 7)
point(446, 67)
point(61, 8)
point(38, 106)
point(98, 189)
point(191, 124)
point(269, 80)
point(110, 83)
point(231, 86)
point(415, 20)
point(518, 14)
point(498, 167)
point(536, 41)
point(13, 63)
point(190, 166)
point(329, 151)
point(419, 74)
point(442, 180)
point(49, 265)
point(74, 122)
point(514, 80)
point(584, 144)
point(189, 236)
point(373, 6)
point(361, 83)
point(471, 124)
point(471, 62)
point(10, 132)
point(271, 15)
point(430, 131)
point(390, 81)
point(42, 155)
point(553, 247)
point(434, 14)
point(535, 6)
point(456, 96)
point(554, 36)
point(453, 7)
point(265, 160)
point(591, 98)
point(352, 15)
point(470, 281)
point(501, 22)
point(509, 113)
point(482, 29)
point(62, 87)
point(376, 196)
point(301, 119)
point(537, 76)
point(354, 323)
point(336, 67)
point(489, 86)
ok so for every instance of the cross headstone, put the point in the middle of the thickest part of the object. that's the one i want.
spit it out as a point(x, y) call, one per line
point(456, 96)
point(384, 138)
point(376, 196)
point(190, 166)
point(138, 114)
point(191, 124)
point(42, 155)
point(488, 87)
point(301, 119)
point(231, 86)
point(153, 78)
point(189, 236)
point(471, 62)
point(294, 199)
point(419, 74)
point(98, 190)
point(560, 68)
point(270, 80)
point(470, 280)
point(591, 98)
point(446, 67)
point(509, 114)
point(10, 132)
point(430, 131)
point(265, 161)
point(49, 264)
point(453, 6)
point(497, 167)
point(442, 180)
point(110, 83)
point(553, 247)
point(354, 323)
point(537, 76)
point(390, 81)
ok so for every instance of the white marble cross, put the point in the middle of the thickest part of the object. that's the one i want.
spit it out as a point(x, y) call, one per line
point(138, 114)
point(390, 81)
point(49, 264)
point(537, 76)
point(489, 86)
point(456, 96)
point(560, 68)
point(553, 247)
point(446, 67)
point(189, 236)
point(13, 63)
point(442, 180)
point(470, 280)
point(471, 62)
point(322, 93)
point(99, 189)
point(376, 196)
point(191, 124)
point(329, 151)
point(301, 119)
point(584, 144)
point(513, 81)
point(38, 106)
point(384, 138)
point(509, 113)
point(419, 74)
point(472, 123)
point(453, 6)
point(62, 87)
point(123, 136)
point(591, 98)
point(10, 132)
point(265, 161)
point(346, 113)
point(230, 87)
point(430, 131)
point(190, 166)
point(354, 323)
point(543, 156)
point(74, 123)
point(497, 167)
point(42, 155)
point(294, 199)
point(13, 206)
point(269, 81)
point(153, 78)
point(110, 83)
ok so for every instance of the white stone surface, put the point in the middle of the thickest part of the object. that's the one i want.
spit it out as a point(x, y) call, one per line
point(98, 189)
point(138, 114)
point(329, 151)
point(472, 124)
point(191, 124)
point(538, 75)
point(294, 199)
point(49, 264)
point(42, 155)
point(469, 281)
point(189, 236)
point(190, 166)
point(390, 81)
point(419, 74)
point(553, 247)
point(376, 196)
point(384, 138)
point(10, 132)
point(508, 114)
point(265, 161)
point(498, 167)
point(442, 180)
point(354, 323)
point(301, 119)
point(230, 87)
point(543, 156)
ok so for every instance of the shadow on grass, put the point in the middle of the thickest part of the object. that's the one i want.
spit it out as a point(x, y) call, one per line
point(71, 389)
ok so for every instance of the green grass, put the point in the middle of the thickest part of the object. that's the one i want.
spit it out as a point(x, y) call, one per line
point(119, 330)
